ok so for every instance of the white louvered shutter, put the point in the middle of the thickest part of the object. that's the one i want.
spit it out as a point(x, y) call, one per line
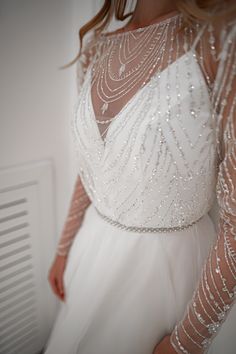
point(27, 233)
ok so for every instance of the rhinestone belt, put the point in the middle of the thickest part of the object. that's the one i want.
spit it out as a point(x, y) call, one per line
point(145, 229)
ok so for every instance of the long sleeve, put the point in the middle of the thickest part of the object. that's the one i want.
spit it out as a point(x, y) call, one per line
point(215, 292)
point(79, 200)
point(78, 205)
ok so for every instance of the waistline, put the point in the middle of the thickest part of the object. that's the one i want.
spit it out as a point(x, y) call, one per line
point(145, 229)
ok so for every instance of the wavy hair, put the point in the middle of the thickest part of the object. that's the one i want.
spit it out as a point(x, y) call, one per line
point(192, 10)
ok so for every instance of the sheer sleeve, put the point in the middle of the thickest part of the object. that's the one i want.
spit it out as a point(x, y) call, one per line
point(79, 200)
point(87, 54)
point(78, 205)
point(215, 292)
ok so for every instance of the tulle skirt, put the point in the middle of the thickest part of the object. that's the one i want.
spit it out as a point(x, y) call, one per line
point(126, 290)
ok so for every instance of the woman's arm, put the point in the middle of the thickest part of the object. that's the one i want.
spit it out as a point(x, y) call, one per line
point(80, 200)
point(79, 203)
point(215, 293)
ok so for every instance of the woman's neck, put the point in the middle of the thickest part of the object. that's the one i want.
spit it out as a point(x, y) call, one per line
point(147, 11)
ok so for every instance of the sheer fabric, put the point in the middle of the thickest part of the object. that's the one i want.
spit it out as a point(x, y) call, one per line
point(127, 62)
point(124, 70)
point(78, 205)
point(79, 200)
point(216, 291)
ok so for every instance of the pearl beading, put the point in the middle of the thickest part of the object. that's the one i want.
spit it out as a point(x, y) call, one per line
point(146, 229)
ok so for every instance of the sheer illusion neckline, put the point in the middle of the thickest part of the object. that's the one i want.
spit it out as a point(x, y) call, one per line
point(163, 19)
point(118, 115)
point(123, 108)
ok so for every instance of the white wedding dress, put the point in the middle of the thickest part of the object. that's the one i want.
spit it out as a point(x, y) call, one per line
point(127, 285)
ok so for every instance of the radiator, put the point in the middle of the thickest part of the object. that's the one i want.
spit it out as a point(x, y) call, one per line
point(27, 244)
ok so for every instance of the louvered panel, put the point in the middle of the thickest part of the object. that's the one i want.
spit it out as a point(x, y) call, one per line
point(24, 299)
point(17, 271)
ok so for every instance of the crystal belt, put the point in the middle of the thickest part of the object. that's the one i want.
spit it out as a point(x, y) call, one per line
point(145, 229)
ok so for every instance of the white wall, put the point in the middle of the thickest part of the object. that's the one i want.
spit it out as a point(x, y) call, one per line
point(36, 99)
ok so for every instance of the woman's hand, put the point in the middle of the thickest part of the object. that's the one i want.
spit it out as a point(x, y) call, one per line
point(164, 347)
point(55, 276)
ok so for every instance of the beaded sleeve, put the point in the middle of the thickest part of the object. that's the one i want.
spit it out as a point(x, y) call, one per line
point(78, 205)
point(215, 292)
point(79, 200)
point(86, 56)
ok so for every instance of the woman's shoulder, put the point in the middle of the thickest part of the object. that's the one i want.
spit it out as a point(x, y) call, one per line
point(88, 52)
point(216, 43)
point(219, 34)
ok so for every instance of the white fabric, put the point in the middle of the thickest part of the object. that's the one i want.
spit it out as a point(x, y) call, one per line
point(125, 290)
point(157, 168)
point(118, 174)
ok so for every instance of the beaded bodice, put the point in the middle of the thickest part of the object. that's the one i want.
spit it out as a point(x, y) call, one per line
point(158, 165)
point(154, 130)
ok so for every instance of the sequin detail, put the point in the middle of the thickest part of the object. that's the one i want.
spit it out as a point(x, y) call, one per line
point(162, 151)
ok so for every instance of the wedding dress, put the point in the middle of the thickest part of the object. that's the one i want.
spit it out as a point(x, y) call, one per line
point(154, 132)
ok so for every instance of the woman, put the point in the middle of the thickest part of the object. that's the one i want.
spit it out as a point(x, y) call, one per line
point(140, 266)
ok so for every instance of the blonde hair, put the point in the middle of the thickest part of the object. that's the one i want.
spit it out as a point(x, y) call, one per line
point(192, 10)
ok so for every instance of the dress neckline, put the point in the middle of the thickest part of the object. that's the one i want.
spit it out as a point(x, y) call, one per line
point(191, 52)
point(163, 19)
